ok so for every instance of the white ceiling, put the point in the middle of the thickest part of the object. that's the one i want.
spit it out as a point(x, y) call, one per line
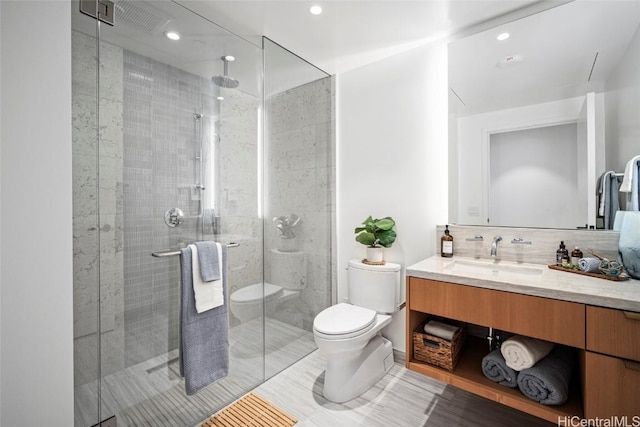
point(350, 34)
point(558, 48)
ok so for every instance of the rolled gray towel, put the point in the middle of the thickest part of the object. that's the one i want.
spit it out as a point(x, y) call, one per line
point(548, 381)
point(589, 265)
point(495, 368)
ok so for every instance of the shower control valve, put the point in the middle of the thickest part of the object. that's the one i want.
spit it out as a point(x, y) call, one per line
point(174, 217)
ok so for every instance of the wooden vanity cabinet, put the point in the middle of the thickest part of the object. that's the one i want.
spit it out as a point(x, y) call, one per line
point(612, 364)
point(608, 343)
point(543, 318)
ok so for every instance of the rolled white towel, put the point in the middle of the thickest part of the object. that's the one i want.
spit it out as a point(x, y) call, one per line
point(440, 330)
point(521, 352)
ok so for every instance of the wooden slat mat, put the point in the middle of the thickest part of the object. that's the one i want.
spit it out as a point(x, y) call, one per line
point(250, 410)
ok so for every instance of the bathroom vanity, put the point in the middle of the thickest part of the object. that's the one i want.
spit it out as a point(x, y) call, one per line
point(598, 317)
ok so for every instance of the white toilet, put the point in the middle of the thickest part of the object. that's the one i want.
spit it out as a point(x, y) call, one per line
point(349, 334)
point(288, 278)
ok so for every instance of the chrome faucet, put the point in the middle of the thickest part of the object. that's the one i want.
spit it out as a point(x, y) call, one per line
point(494, 245)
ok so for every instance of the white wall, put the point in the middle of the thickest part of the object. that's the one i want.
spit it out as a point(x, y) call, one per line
point(392, 157)
point(531, 165)
point(36, 277)
point(472, 146)
point(623, 105)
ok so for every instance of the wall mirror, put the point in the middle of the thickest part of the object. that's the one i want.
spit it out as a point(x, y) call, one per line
point(537, 116)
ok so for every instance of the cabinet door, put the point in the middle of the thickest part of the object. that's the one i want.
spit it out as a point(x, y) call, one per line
point(614, 332)
point(547, 319)
point(612, 387)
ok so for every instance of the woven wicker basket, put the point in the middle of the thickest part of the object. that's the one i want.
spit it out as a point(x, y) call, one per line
point(437, 351)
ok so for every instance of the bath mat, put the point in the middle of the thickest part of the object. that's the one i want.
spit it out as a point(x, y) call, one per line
point(250, 410)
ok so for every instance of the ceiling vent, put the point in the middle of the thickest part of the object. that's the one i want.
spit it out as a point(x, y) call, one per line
point(509, 61)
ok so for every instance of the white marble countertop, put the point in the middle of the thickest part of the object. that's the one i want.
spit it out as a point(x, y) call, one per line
point(530, 279)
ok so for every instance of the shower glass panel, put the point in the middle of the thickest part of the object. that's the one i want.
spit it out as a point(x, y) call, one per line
point(86, 243)
point(299, 154)
point(154, 134)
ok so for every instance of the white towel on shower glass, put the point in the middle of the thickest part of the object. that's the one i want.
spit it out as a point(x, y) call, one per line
point(208, 295)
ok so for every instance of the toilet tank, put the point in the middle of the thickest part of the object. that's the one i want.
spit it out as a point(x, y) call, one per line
point(376, 287)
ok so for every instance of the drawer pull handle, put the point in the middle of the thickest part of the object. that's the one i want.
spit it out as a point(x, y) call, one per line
point(631, 315)
point(634, 366)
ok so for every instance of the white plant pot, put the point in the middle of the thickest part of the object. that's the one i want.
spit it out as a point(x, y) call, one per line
point(375, 254)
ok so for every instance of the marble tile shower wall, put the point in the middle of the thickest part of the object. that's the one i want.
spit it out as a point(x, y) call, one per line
point(238, 188)
point(300, 153)
point(160, 146)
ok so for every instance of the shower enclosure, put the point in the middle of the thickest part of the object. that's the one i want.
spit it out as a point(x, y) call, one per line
point(175, 141)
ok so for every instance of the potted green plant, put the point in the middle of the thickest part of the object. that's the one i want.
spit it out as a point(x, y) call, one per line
point(376, 234)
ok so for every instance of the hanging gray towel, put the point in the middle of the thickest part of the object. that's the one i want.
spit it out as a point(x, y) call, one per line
point(611, 198)
point(495, 368)
point(548, 380)
point(204, 337)
point(208, 257)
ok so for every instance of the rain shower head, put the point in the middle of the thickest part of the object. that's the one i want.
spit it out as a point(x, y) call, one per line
point(224, 80)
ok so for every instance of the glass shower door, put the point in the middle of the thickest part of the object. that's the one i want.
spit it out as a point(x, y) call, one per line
point(299, 202)
point(169, 158)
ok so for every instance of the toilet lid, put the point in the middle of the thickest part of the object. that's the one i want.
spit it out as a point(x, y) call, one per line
point(254, 293)
point(343, 318)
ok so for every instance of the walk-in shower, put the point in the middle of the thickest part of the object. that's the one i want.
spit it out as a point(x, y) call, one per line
point(167, 151)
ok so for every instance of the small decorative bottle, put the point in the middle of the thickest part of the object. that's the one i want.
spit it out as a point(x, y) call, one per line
point(576, 254)
point(446, 244)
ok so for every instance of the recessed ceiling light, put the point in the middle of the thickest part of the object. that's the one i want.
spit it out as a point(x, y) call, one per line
point(503, 36)
point(315, 10)
point(220, 98)
point(172, 35)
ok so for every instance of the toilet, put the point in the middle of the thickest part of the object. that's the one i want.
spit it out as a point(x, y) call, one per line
point(349, 334)
point(287, 279)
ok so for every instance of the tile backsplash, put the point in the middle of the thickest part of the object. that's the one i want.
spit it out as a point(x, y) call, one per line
point(542, 250)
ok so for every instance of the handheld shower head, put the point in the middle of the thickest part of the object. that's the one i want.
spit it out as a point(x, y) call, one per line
point(224, 80)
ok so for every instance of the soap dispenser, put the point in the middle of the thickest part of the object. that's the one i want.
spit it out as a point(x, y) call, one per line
point(446, 243)
point(562, 254)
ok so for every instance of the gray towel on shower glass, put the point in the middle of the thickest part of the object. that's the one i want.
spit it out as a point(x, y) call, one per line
point(548, 380)
point(204, 337)
point(495, 368)
point(208, 258)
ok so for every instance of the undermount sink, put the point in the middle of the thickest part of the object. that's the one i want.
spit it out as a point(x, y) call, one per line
point(496, 268)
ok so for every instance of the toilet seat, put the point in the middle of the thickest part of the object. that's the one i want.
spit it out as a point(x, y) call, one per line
point(254, 293)
point(343, 320)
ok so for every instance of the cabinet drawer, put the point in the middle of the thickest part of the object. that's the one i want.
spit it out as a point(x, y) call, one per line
point(614, 332)
point(611, 388)
point(548, 319)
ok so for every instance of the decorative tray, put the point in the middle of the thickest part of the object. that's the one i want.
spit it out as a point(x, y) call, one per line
point(620, 278)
